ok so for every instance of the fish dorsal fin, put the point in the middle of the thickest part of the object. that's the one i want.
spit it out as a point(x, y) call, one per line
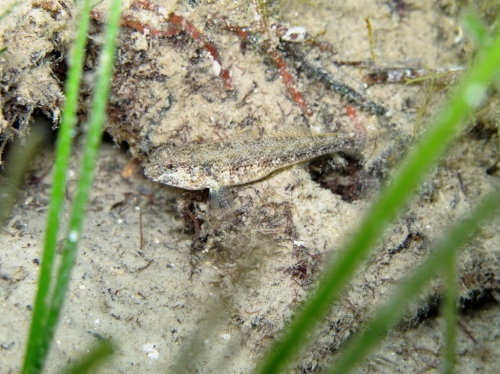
point(285, 131)
point(254, 132)
point(295, 131)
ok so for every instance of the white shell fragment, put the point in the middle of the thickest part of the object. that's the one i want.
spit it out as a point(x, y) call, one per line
point(295, 34)
point(150, 350)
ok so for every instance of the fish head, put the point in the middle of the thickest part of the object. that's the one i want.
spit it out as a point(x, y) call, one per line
point(164, 166)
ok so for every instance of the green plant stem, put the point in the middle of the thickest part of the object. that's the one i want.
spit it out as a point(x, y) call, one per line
point(430, 147)
point(34, 355)
point(441, 258)
point(450, 310)
point(89, 363)
point(9, 10)
point(476, 29)
point(46, 317)
point(92, 142)
point(17, 163)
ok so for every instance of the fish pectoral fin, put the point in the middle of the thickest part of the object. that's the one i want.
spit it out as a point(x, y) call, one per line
point(220, 198)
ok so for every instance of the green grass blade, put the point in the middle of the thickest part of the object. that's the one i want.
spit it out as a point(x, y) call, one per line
point(476, 29)
point(92, 142)
point(450, 310)
point(430, 147)
point(33, 361)
point(442, 257)
point(9, 10)
point(15, 166)
point(97, 355)
point(45, 320)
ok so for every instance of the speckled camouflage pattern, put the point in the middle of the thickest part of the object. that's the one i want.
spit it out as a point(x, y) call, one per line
point(228, 163)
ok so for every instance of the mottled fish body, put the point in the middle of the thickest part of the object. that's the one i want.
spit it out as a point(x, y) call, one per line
point(229, 163)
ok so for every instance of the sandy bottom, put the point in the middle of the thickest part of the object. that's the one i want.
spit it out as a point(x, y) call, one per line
point(178, 300)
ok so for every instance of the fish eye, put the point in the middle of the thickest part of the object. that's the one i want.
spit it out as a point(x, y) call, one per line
point(169, 166)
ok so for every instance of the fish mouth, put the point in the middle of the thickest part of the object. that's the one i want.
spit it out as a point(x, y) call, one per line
point(152, 171)
point(159, 174)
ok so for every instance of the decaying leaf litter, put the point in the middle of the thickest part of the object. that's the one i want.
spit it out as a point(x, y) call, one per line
point(262, 260)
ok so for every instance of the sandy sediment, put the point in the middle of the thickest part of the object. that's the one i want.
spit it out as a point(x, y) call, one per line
point(213, 299)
